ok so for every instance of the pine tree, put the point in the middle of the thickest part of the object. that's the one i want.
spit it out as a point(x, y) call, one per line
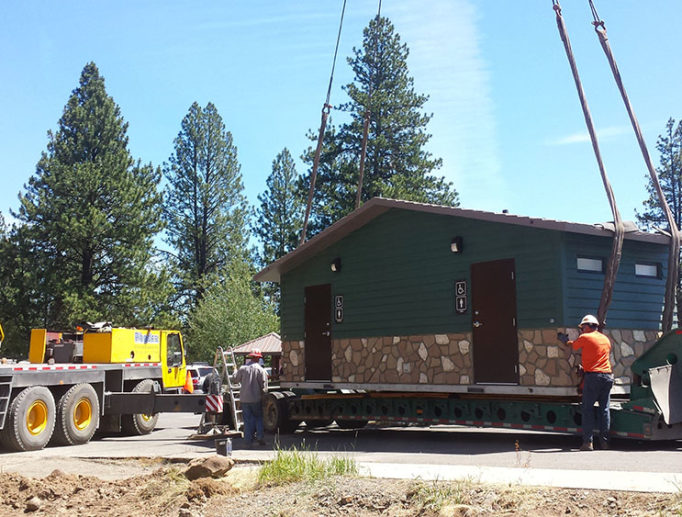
point(91, 214)
point(205, 209)
point(396, 165)
point(280, 215)
point(669, 145)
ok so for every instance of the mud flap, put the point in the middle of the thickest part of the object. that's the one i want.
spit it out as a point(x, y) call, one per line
point(666, 384)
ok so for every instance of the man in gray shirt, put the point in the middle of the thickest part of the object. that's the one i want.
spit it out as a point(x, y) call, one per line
point(254, 384)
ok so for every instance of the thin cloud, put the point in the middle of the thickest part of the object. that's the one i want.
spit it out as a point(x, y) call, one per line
point(444, 52)
point(584, 137)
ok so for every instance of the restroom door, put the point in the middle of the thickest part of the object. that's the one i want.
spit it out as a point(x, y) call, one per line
point(318, 326)
point(495, 342)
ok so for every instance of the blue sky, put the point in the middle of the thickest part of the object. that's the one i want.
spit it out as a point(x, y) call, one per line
point(507, 121)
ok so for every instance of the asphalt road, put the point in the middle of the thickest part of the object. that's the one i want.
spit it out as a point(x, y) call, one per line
point(443, 445)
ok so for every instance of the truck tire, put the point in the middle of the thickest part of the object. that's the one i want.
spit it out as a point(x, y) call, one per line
point(77, 416)
point(30, 420)
point(139, 423)
point(276, 414)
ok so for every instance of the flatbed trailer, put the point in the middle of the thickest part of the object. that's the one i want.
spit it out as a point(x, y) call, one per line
point(65, 403)
point(653, 410)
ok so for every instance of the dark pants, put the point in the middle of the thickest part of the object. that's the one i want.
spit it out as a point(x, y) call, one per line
point(597, 388)
point(253, 421)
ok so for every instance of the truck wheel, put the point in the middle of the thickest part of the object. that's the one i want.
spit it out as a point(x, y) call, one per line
point(30, 420)
point(77, 416)
point(140, 423)
point(351, 424)
point(276, 414)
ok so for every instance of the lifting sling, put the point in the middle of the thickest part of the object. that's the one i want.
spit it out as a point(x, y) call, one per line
point(326, 107)
point(674, 252)
point(617, 245)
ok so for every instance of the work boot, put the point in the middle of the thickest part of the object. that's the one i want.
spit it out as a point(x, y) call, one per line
point(603, 444)
point(586, 446)
point(261, 442)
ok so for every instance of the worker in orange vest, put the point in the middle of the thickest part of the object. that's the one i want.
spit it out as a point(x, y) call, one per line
point(596, 349)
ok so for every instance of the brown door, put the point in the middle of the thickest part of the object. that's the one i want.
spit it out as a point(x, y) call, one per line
point(318, 326)
point(493, 300)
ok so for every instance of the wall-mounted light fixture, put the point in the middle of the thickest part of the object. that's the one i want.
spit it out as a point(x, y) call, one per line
point(456, 246)
point(336, 265)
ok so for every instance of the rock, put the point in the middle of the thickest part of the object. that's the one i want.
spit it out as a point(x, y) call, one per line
point(423, 353)
point(442, 339)
point(626, 350)
point(215, 466)
point(464, 347)
point(447, 364)
point(34, 504)
point(541, 378)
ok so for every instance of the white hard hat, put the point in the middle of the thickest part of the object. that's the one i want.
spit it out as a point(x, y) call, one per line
point(589, 320)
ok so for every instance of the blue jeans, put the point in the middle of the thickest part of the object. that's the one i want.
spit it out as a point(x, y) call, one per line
point(253, 420)
point(597, 388)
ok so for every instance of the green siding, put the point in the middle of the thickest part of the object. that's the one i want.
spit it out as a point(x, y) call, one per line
point(637, 302)
point(397, 275)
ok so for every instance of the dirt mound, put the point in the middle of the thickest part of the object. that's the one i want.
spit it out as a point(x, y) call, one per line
point(167, 492)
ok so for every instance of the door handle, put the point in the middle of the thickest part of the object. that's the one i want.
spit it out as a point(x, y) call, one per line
point(478, 324)
point(326, 333)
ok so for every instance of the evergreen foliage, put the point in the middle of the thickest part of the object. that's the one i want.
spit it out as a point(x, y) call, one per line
point(397, 165)
point(88, 216)
point(205, 207)
point(280, 215)
point(669, 145)
point(229, 314)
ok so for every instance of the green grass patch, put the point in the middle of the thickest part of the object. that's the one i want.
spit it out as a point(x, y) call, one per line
point(436, 495)
point(291, 465)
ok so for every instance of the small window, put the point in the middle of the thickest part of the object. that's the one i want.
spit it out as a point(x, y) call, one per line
point(594, 265)
point(648, 270)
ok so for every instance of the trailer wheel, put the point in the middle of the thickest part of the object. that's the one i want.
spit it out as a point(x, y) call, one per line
point(77, 416)
point(30, 420)
point(276, 414)
point(140, 423)
point(351, 424)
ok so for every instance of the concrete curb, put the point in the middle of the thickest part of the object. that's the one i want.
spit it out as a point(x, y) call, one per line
point(581, 479)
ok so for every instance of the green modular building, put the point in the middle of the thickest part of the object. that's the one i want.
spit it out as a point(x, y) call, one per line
point(415, 297)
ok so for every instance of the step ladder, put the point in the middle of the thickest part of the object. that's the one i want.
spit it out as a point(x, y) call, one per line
point(226, 363)
point(5, 394)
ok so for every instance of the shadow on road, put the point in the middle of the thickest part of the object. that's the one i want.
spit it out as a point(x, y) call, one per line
point(435, 440)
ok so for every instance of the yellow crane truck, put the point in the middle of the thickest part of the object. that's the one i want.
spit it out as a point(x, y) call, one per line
point(102, 378)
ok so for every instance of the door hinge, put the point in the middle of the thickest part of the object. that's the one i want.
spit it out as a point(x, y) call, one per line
point(516, 368)
point(514, 322)
point(512, 274)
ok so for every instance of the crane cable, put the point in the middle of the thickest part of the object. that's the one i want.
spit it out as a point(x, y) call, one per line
point(674, 252)
point(619, 230)
point(365, 131)
point(326, 108)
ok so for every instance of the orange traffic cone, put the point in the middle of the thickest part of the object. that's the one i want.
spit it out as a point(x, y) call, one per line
point(189, 386)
